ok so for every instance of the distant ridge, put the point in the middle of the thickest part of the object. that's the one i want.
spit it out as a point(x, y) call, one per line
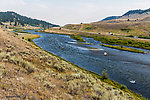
point(132, 14)
point(111, 18)
point(17, 19)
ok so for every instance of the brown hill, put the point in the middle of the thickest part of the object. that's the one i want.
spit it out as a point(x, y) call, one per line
point(132, 14)
point(140, 27)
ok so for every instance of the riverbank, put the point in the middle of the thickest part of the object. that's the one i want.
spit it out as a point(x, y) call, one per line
point(124, 48)
point(42, 75)
point(107, 39)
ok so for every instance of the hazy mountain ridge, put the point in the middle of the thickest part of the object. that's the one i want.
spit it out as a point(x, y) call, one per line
point(111, 18)
point(132, 14)
point(17, 19)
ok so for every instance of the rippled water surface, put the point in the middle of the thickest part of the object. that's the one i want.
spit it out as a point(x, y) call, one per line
point(121, 66)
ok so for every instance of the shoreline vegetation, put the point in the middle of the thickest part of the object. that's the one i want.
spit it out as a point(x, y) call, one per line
point(106, 39)
point(26, 35)
point(103, 78)
point(20, 31)
point(78, 38)
point(124, 48)
point(93, 48)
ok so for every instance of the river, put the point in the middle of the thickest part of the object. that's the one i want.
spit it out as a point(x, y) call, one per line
point(121, 66)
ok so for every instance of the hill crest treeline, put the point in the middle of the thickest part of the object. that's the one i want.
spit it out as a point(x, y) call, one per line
point(17, 19)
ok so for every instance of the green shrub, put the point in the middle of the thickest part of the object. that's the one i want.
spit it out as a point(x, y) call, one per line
point(88, 28)
point(104, 74)
point(123, 87)
point(29, 39)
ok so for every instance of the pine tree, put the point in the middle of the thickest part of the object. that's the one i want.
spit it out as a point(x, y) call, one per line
point(15, 23)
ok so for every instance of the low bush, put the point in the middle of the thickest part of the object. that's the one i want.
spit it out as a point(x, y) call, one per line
point(48, 85)
point(74, 88)
point(123, 87)
point(59, 68)
point(104, 75)
point(29, 39)
point(28, 66)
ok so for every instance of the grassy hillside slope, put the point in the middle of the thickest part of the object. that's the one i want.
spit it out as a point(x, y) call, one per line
point(119, 27)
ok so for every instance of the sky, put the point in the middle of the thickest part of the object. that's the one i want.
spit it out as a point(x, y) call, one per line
point(63, 12)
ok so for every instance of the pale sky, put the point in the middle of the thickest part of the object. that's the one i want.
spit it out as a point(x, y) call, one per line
point(63, 12)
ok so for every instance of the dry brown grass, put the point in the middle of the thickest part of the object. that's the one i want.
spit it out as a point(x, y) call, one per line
point(119, 27)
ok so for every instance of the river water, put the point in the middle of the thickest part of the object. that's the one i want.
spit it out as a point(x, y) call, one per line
point(121, 66)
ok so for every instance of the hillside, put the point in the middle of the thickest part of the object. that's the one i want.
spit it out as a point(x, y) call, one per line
point(12, 18)
point(132, 14)
point(123, 27)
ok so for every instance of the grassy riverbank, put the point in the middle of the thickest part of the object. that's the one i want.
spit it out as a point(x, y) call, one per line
point(20, 31)
point(78, 38)
point(30, 37)
point(107, 39)
point(125, 48)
